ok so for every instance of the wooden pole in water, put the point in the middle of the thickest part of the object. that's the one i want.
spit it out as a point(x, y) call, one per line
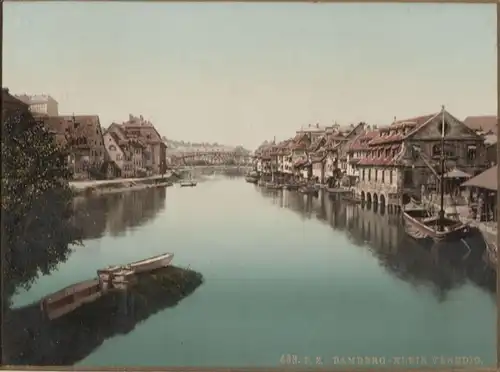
point(498, 202)
point(441, 180)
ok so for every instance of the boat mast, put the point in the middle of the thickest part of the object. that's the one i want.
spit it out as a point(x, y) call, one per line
point(441, 180)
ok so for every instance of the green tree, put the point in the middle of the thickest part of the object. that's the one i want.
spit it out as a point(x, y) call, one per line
point(36, 201)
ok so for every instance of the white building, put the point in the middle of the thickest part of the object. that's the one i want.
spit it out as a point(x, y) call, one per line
point(42, 104)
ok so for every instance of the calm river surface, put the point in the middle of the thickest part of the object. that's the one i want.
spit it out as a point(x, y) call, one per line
point(284, 274)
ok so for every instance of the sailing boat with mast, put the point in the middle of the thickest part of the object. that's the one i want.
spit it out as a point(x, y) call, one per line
point(421, 224)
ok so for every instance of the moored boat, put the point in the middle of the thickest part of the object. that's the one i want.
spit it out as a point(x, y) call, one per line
point(188, 183)
point(273, 186)
point(421, 224)
point(291, 186)
point(251, 179)
point(309, 190)
point(150, 264)
point(68, 299)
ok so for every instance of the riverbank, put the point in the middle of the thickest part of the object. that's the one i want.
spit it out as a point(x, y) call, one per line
point(87, 188)
point(35, 340)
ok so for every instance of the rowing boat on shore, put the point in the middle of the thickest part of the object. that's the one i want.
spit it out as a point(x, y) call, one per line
point(163, 260)
point(153, 263)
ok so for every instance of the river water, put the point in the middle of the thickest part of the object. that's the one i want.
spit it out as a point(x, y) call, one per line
point(285, 274)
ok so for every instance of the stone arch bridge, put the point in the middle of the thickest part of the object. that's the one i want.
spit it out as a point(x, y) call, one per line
point(211, 158)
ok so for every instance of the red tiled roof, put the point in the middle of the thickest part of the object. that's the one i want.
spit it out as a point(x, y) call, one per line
point(360, 143)
point(383, 160)
point(413, 123)
point(300, 162)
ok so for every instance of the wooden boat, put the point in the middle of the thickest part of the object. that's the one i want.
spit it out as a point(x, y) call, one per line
point(122, 278)
point(188, 183)
point(68, 299)
point(291, 186)
point(251, 179)
point(108, 274)
point(309, 190)
point(273, 186)
point(150, 264)
point(421, 224)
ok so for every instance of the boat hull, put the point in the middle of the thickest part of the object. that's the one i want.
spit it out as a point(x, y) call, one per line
point(251, 179)
point(151, 264)
point(309, 191)
point(271, 186)
point(188, 184)
point(70, 298)
point(424, 230)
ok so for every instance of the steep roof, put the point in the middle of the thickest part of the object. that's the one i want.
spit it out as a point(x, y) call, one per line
point(486, 180)
point(69, 127)
point(484, 123)
point(414, 124)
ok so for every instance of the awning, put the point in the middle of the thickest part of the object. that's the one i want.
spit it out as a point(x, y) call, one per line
point(457, 173)
point(486, 180)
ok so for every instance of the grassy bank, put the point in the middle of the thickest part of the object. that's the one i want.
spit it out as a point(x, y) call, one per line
point(32, 339)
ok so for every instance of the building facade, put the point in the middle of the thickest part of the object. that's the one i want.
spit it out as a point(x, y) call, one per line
point(82, 136)
point(403, 158)
point(41, 104)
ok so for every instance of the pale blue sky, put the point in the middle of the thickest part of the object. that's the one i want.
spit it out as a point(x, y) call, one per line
point(240, 73)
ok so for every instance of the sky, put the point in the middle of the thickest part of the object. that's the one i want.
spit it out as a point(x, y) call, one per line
point(242, 73)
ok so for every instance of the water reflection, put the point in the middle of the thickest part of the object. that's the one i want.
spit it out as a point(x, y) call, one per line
point(384, 236)
point(118, 212)
point(35, 340)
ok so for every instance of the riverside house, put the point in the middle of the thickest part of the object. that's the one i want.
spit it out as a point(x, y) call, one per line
point(397, 159)
point(126, 150)
point(82, 135)
point(145, 136)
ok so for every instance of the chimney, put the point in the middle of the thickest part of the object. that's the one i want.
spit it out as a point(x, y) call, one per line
point(374, 126)
point(141, 117)
point(394, 119)
point(317, 125)
point(130, 117)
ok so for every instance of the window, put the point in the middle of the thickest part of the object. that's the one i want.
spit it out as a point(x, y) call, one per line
point(376, 174)
point(112, 148)
point(471, 152)
point(383, 175)
point(448, 150)
point(390, 176)
point(369, 174)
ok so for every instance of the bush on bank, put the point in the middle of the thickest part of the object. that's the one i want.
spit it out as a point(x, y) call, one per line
point(35, 201)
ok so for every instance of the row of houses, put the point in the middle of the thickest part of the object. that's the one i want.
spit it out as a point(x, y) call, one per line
point(384, 162)
point(133, 148)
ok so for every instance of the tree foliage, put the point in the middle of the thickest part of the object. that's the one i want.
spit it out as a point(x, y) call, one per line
point(36, 201)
